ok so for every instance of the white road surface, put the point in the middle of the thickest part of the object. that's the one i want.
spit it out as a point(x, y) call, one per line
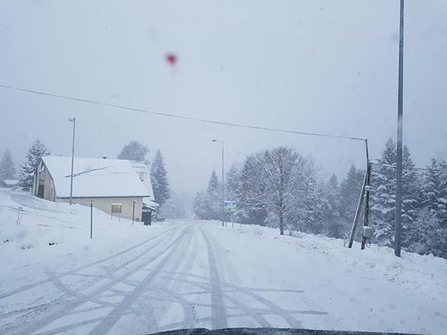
point(188, 274)
point(181, 277)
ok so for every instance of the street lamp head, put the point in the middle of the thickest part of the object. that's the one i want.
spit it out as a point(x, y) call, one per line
point(72, 119)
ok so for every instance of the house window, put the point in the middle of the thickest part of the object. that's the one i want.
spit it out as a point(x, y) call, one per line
point(117, 208)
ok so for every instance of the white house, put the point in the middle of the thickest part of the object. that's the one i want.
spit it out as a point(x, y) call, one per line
point(9, 183)
point(119, 187)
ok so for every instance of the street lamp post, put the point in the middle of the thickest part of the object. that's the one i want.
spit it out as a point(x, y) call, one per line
point(222, 200)
point(398, 227)
point(72, 158)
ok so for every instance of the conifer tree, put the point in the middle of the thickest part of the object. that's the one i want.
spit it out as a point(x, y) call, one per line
point(134, 151)
point(7, 169)
point(384, 195)
point(159, 179)
point(349, 193)
point(35, 153)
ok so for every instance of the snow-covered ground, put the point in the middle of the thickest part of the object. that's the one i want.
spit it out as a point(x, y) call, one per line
point(134, 279)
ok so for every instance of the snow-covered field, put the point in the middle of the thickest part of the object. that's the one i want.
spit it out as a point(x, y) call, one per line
point(134, 279)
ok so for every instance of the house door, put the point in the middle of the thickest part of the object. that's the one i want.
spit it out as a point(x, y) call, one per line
point(41, 191)
point(147, 217)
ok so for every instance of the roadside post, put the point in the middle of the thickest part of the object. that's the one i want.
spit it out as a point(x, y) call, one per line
point(91, 219)
point(364, 193)
point(229, 208)
point(133, 211)
point(367, 231)
point(19, 215)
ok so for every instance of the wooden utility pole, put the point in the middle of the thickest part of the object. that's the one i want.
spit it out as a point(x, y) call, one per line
point(91, 219)
point(366, 213)
point(362, 196)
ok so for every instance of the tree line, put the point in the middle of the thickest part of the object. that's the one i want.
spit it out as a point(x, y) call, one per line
point(282, 188)
point(424, 202)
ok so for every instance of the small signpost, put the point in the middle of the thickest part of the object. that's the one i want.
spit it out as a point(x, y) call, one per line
point(19, 215)
point(133, 211)
point(229, 208)
point(91, 219)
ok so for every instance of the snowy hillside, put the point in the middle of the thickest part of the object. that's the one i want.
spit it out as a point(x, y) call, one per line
point(134, 279)
point(56, 234)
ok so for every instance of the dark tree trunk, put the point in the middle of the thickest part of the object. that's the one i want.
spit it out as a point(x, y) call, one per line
point(281, 224)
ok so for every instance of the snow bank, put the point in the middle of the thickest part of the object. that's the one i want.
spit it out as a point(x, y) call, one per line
point(49, 234)
point(304, 281)
point(369, 290)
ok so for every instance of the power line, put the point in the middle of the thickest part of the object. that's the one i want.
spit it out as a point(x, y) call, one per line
point(177, 116)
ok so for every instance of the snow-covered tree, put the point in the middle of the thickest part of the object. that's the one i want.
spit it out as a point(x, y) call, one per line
point(35, 153)
point(214, 195)
point(251, 208)
point(159, 179)
point(306, 213)
point(289, 189)
point(174, 207)
point(434, 196)
point(232, 182)
point(428, 232)
point(276, 187)
point(384, 195)
point(202, 206)
point(206, 205)
point(7, 169)
point(332, 222)
point(213, 185)
point(280, 171)
point(349, 195)
point(134, 151)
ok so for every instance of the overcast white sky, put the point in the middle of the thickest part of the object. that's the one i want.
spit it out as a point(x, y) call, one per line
point(311, 65)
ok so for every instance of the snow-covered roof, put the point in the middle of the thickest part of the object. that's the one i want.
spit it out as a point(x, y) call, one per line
point(11, 182)
point(150, 203)
point(94, 177)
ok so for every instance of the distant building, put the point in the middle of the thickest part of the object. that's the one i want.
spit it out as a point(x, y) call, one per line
point(9, 183)
point(115, 186)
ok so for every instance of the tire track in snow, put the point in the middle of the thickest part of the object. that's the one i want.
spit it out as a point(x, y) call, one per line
point(218, 311)
point(83, 267)
point(161, 292)
point(255, 313)
point(112, 318)
point(276, 309)
point(66, 298)
point(188, 257)
point(33, 326)
point(55, 279)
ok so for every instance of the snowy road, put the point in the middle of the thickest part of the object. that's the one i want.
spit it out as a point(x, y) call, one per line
point(180, 278)
point(134, 279)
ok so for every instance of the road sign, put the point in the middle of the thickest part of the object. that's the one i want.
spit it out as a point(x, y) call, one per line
point(229, 206)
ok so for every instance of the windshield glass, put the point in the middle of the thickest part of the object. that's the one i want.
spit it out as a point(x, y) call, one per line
point(171, 165)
